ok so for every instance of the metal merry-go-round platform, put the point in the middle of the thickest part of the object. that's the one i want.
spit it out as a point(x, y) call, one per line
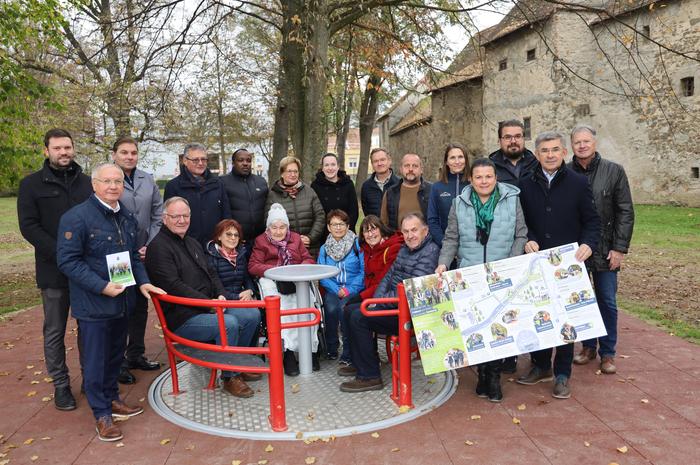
point(314, 404)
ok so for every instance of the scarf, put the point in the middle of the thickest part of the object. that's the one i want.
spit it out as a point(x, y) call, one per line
point(338, 249)
point(284, 255)
point(291, 191)
point(230, 256)
point(484, 211)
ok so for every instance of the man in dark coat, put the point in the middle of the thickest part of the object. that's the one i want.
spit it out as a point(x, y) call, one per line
point(374, 186)
point(247, 193)
point(513, 161)
point(92, 238)
point(417, 257)
point(204, 192)
point(558, 208)
point(411, 194)
point(43, 197)
point(613, 201)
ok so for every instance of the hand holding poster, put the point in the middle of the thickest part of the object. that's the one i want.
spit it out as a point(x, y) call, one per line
point(502, 308)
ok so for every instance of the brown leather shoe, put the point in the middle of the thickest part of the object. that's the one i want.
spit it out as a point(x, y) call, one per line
point(251, 376)
point(120, 410)
point(607, 365)
point(237, 387)
point(586, 355)
point(107, 430)
point(362, 385)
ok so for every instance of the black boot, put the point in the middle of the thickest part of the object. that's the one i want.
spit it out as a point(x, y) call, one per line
point(291, 367)
point(493, 381)
point(481, 386)
point(315, 361)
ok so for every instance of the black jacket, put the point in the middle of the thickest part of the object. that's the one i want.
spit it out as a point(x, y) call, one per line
point(561, 213)
point(505, 171)
point(613, 202)
point(371, 195)
point(393, 198)
point(180, 267)
point(247, 196)
point(340, 195)
point(208, 202)
point(409, 263)
point(43, 198)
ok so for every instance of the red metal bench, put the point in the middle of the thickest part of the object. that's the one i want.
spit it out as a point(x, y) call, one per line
point(235, 358)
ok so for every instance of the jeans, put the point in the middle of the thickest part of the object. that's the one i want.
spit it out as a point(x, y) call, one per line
point(363, 345)
point(562, 360)
point(241, 326)
point(333, 310)
point(56, 303)
point(605, 285)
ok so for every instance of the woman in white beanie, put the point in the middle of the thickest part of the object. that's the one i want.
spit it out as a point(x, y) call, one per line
point(279, 246)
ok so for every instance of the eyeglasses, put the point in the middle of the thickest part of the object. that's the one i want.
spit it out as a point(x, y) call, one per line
point(178, 217)
point(291, 171)
point(111, 182)
point(197, 160)
point(231, 234)
point(338, 225)
point(510, 138)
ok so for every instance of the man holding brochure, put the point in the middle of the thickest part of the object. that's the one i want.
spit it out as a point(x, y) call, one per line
point(95, 237)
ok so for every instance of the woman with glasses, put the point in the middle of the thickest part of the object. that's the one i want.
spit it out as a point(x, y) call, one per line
point(304, 209)
point(341, 250)
point(485, 224)
point(335, 189)
point(454, 176)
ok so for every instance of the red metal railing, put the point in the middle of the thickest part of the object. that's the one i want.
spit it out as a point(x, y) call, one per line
point(400, 346)
point(271, 304)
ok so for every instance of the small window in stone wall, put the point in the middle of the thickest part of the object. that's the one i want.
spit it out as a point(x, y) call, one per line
point(531, 54)
point(527, 131)
point(695, 172)
point(646, 30)
point(503, 65)
point(688, 86)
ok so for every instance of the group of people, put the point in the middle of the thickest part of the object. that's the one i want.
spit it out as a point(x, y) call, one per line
point(213, 236)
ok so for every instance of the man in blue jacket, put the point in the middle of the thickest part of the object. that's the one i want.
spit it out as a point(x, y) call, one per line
point(417, 257)
point(559, 209)
point(202, 190)
point(374, 187)
point(87, 234)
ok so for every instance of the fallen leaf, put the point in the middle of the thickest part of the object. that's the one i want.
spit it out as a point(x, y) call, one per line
point(469, 443)
point(29, 367)
point(269, 448)
point(34, 382)
point(404, 409)
point(4, 373)
point(48, 380)
point(120, 444)
point(631, 378)
point(164, 441)
point(622, 449)
point(510, 380)
point(4, 462)
point(309, 460)
point(475, 417)
point(326, 439)
point(645, 401)
point(46, 438)
point(375, 435)
point(613, 463)
point(522, 407)
point(262, 462)
point(586, 443)
point(189, 447)
point(142, 399)
point(295, 388)
point(28, 441)
point(46, 399)
point(299, 435)
point(31, 393)
point(516, 421)
point(624, 356)
point(598, 372)
point(236, 462)
point(311, 415)
point(37, 372)
point(620, 380)
point(34, 458)
point(395, 449)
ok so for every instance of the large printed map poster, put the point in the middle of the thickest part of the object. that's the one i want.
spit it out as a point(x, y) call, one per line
point(502, 308)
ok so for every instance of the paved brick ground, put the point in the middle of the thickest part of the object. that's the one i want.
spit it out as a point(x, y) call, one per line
point(650, 407)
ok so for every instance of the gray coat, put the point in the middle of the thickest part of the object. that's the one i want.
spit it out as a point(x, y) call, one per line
point(145, 202)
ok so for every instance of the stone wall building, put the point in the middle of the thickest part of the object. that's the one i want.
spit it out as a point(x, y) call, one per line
point(629, 68)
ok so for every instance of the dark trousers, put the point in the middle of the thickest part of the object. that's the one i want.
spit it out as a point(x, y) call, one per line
point(363, 346)
point(56, 304)
point(138, 317)
point(563, 359)
point(103, 345)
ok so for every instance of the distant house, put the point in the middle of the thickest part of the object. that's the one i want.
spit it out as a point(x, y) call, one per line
point(352, 148)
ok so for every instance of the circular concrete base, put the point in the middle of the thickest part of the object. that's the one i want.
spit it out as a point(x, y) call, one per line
point(316, 408)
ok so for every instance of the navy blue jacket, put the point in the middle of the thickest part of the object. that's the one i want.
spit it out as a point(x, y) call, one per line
point(86, 234)
point(409, 264)
point(505, 171)
point(371, 195)
point(246, 197)
point(208, 201)
point(439, 203)
point(562, 213)
point(234, 279)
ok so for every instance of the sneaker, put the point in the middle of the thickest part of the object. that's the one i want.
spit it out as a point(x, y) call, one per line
point(107, 430)
point(347, 370)
point(344, 363)
point(536, 375)
point(121, 411)
point(63, 398)
point(586, 355)
point(561, 388)
point(607, 365)
point(362, 385)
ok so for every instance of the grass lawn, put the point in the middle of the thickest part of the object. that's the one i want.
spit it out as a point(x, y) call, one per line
point(667, 228)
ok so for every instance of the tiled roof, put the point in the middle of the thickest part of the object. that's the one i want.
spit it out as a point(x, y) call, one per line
point(421, 113)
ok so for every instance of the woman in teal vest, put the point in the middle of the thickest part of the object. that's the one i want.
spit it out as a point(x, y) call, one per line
point(485, 224)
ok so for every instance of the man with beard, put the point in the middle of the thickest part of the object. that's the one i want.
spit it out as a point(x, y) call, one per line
point(411, 194)
point(513, 161)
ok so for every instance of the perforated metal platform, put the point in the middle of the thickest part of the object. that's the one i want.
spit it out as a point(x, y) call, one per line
point(315, 405)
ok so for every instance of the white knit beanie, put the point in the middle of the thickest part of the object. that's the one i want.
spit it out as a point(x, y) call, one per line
point(277, 213)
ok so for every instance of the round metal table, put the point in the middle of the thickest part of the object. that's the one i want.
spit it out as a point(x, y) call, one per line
point(302, 275)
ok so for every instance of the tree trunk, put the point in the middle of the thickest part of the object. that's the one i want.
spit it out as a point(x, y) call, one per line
point(342, 135)
point(220, 115)
point(368, 118)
